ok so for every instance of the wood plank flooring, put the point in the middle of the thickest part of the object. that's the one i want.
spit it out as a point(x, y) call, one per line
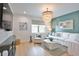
point(26, 48)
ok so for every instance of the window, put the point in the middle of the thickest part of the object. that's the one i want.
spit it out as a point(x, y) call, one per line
point(38, 28)
point(42, 28)
point(34, 28)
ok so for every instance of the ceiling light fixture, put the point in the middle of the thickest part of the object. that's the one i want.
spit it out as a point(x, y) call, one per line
point(4, 8)
point(47, 16)
point(24, 12)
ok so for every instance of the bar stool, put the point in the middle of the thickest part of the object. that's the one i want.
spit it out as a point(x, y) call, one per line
point(3, 48)
point(11, 48)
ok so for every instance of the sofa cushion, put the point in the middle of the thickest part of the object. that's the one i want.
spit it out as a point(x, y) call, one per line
point(58, 34)
point(74, 37)
point(65, 35)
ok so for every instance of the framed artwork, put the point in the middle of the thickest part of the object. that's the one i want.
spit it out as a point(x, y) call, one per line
point(68, 24)
point(22, 26)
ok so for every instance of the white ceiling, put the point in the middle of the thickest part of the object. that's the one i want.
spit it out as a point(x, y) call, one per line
point(36, 9)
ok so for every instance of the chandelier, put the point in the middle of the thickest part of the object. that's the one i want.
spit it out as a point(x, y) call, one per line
point(47, 16)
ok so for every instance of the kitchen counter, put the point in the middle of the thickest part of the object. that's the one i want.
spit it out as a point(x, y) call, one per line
point(6, 37)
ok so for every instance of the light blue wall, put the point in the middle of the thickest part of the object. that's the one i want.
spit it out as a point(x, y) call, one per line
point(71, 16)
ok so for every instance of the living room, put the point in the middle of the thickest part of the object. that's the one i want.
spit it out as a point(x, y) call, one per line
point(39, 29)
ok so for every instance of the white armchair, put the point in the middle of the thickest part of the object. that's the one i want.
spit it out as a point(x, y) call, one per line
point(37, 40)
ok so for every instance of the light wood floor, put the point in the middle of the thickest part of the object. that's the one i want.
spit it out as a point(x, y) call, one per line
point(26, 48)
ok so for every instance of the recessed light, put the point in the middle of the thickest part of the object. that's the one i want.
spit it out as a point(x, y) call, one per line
point(4, 8)
point(24, 12)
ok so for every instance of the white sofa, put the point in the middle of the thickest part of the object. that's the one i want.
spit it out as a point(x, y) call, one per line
point(71, 40)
